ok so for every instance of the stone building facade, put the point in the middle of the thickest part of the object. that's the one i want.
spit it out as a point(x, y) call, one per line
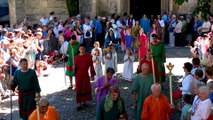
point(34, 9)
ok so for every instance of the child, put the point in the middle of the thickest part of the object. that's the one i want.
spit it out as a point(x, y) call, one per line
point(97, 58)
point(128, 65)
point(185, 109)
point(195, 51)
point(111, 58)
point(96, 46)
point(129, 39)
point(61, 37)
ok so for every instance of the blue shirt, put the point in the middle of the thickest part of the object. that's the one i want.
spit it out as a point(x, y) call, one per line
point(98, 27)
point(44, 34)
point(211, 97)
point(145, 24)
point(129, 41)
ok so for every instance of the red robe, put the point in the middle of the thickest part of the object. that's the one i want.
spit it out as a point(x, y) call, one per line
point(83, 64)
point(142, 40)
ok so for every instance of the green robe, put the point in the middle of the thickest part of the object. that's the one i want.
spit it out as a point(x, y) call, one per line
point(159, 56)
point(142, 87)
point(112, 114)
point(28, 85)
point(69, 70)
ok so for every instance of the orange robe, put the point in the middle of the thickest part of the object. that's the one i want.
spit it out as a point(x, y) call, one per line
point(154, 109)
point(51, 114)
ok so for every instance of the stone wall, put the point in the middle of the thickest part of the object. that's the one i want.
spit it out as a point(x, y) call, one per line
point(33, 9)
point(188, 7)
point(103, 7)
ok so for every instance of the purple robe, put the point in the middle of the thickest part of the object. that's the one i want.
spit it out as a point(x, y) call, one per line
point(101, 93)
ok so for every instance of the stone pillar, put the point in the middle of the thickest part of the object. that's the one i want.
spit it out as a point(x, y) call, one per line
point(12, 12)
point(170, 5)
point(94, 8)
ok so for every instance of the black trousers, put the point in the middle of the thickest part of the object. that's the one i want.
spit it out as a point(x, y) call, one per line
point(178, 39)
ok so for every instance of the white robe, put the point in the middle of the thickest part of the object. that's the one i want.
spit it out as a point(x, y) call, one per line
point(111, 61)
point(97, 65)
point(128, 68)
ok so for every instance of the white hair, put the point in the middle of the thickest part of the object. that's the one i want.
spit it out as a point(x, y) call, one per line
point(204, 89)
point(199, 84)
point(155, 85)
point(210, 85)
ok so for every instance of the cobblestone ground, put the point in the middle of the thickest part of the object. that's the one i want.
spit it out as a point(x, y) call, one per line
point(64, 100)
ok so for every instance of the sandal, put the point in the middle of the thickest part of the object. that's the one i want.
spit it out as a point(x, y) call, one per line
point(70, 87)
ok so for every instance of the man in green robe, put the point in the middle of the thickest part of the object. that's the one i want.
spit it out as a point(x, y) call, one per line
point(27, 82)
point(141, 89)
point(158, 52)
point(112, 106)
point(73, 49)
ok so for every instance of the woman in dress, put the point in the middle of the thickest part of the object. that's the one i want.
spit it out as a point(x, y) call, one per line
point(142, 45)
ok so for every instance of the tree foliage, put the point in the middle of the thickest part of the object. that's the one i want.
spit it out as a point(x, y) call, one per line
point(73, 7)
point(203, 7)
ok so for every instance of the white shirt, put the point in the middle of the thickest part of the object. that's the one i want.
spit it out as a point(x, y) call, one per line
point(178, 27)
point(85, 29)
point(55, 30)
point(64, 46)
point(206, 25)
point(161, 23)
point(60, 27)
point(187, 85)
point(203, 110)
point(44, 21)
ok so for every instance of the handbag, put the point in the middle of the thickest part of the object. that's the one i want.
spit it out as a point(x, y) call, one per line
point(88, 34)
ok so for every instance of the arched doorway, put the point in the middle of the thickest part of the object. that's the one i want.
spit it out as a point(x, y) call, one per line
point(4, 12)
point(149, 7)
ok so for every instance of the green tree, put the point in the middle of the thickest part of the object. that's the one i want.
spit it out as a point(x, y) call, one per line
point(203, 7)
point(73, 7)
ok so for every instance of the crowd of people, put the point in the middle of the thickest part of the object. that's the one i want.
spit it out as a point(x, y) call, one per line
point(27, 51)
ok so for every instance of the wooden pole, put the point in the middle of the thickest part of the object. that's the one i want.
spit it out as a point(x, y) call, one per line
point(11, 100)
point(170, 66)
point(37, 105)
point(63, 43)
point(153, 68)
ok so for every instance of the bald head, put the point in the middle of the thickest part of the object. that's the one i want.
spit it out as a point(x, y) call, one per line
point(43, 105)
point(43, 102)
point(145, 68)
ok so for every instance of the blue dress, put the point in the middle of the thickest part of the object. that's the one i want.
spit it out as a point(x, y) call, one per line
point(129, 39)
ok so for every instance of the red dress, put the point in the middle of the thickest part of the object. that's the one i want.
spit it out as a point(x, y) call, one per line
point(143, 46)
point(83, 64)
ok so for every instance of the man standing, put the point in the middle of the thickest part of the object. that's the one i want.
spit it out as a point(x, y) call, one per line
point(83, 63)
point(158, 52)
point(145, 24)
point(27, 82)
point(87, 29)
point(73, 47)
point(46, 112)
point(141, 89)
point(98, 30)
point(156, 106)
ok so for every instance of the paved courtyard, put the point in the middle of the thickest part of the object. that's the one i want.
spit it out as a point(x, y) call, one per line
point(64, 100)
